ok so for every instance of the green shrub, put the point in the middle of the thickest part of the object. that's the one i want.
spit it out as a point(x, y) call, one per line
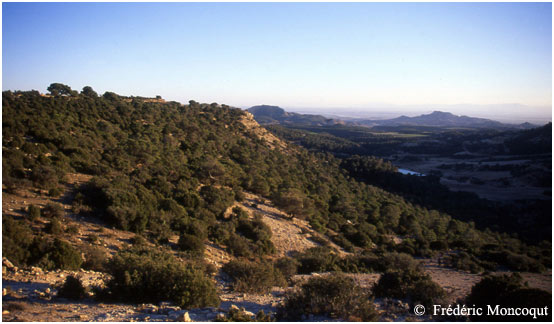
point(54, 227)
point(138, 240)
point(508, 291)
point(16, 240)
point(190, 243)
point(287, 266)
point(55, 192)
point(253, 277)
point(73, 229)
point(33, 212)
point(72, 289)
point(219, 233)
point(513, 261)
point(317, 259)
point(95, 259)
point(411, 284)
point(55, 255)
point(334, 295)
point(52, 210)
point(239, 246)
point(45, 177)
point(144, 275)
point(93, 238)
point(465, 261)
point(359, 264)
point(395, 261)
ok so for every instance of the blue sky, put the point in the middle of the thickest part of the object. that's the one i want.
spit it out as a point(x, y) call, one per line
point(299, 55)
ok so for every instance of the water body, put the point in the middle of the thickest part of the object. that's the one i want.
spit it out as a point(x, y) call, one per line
point(410, 172)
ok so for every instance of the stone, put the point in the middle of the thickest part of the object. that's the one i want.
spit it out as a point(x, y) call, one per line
point(4, 291)
point(248, 313)
point(36, 270)
point(148, 308)
point(185, 317)
point(234, 307)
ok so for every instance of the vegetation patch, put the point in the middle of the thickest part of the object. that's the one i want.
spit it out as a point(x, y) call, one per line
point(253, 276)
point(143, 275)
point(508, 291)
point(334, 295)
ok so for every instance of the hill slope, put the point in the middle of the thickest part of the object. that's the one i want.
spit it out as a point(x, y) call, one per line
point(265, 114)
point(172, 173)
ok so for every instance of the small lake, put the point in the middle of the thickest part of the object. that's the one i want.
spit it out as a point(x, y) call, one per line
point(410, 172)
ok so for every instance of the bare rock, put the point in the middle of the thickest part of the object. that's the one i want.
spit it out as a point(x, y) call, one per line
point(7, 263)
point(248, 313)
point(185, 317)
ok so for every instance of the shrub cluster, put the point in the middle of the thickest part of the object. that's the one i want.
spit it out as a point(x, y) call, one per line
point(253, 276)
point(16, 240)
point(335, 295)
point(56, 254)
point(404, 279)
point(33, 212)
point(242, 236)
point(21, 247)
point(145, 275)
point(324, 258)
point(508, 291)
point(95, 259)
point(72, 289)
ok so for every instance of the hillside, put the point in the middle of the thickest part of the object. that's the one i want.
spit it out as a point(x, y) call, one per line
point(159, 193)
point(265, 114)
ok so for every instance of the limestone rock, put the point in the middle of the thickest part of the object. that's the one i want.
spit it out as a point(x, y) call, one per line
point(185, 317)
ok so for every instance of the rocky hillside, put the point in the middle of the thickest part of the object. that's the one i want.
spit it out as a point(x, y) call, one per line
point(30, 293)
point(191, 209)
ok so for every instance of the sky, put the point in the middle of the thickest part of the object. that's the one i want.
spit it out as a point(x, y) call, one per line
point(332, 57)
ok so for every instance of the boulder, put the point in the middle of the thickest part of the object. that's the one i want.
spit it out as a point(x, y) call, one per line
point(6, 263)
point(185, 317)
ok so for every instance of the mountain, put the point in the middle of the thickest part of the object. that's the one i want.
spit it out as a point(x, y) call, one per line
point(440, 119)
point(265, 114)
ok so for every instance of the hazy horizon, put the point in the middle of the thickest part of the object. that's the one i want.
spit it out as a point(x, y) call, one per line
point(533, 115)
point(406, 58)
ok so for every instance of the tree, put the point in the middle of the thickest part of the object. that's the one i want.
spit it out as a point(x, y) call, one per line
point(292, 201)
point(89, 92)
point(59, 89)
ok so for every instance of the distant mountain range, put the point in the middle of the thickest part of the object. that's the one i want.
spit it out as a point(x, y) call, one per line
point(265, 114)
